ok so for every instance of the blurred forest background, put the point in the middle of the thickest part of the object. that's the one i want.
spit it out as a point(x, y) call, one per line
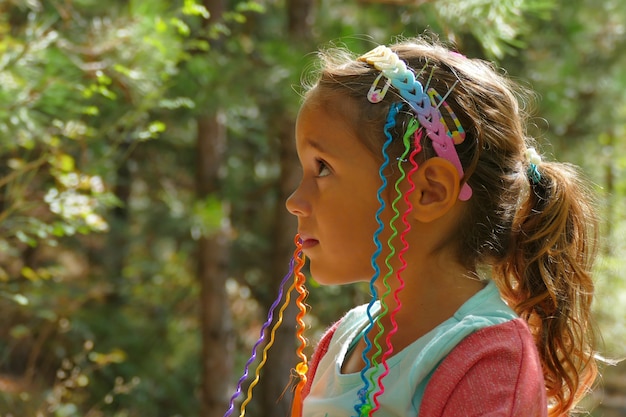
point(146, 150)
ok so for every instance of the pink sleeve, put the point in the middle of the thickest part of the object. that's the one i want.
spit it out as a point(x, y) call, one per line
point(318, 354)
point(494, 372)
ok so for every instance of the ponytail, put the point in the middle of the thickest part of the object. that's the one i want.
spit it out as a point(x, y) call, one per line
point(546, 278)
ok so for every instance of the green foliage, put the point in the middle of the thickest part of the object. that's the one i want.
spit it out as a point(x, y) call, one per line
point(500, 26)
point(82, 85)
point(98, 210)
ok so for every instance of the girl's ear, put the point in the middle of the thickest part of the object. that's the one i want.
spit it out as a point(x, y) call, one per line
point(437, 186)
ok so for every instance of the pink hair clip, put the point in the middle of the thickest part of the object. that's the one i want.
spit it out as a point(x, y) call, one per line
point(375, 95)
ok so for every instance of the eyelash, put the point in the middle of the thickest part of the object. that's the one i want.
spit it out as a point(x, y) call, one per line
point(322, 165)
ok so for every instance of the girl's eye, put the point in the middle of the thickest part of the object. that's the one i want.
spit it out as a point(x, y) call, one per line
point(322, 169)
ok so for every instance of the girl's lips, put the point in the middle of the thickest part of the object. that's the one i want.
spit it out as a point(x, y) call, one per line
point(308, 242)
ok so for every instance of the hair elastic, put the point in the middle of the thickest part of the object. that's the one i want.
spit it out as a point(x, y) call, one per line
point(403, 79)
point(534, 160)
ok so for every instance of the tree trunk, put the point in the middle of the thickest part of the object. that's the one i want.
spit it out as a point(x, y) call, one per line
point(213, 252)
point(276, 393)
point(212, 258)
point(299, 18)
point(118, 237)
point(282, 359)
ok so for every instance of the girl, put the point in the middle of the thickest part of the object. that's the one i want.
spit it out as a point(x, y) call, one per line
point(419, 178)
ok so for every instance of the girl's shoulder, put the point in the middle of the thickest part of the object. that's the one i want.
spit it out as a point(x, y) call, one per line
point(494, 371)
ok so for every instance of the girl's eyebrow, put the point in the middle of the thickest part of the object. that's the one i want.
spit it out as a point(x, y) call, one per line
point(312, 143)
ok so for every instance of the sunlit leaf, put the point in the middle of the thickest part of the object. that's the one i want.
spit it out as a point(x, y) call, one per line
point(192, 8)
point(115, 356)
point(20, 331)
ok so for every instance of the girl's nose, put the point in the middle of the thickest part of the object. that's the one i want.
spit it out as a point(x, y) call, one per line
point(296, 204)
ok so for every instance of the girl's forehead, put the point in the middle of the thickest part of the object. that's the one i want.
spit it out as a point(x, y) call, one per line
point(324, 106)
point(325, 96)
point(334, 104)
point(314, 98)
point(327, 130)
point(317, 120)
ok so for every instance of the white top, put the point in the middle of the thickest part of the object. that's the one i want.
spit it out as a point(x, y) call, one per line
point(334, 394)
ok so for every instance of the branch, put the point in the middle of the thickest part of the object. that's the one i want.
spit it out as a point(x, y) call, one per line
point(31, 165)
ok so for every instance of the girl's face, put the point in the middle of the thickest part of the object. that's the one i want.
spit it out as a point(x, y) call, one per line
point(336, 200)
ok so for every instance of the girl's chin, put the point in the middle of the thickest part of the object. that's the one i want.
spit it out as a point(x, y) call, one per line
point(329, 278)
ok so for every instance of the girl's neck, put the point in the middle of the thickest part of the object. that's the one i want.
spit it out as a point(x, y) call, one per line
point(424, 307)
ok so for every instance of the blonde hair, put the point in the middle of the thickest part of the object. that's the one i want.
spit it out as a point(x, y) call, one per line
point(537, 236)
